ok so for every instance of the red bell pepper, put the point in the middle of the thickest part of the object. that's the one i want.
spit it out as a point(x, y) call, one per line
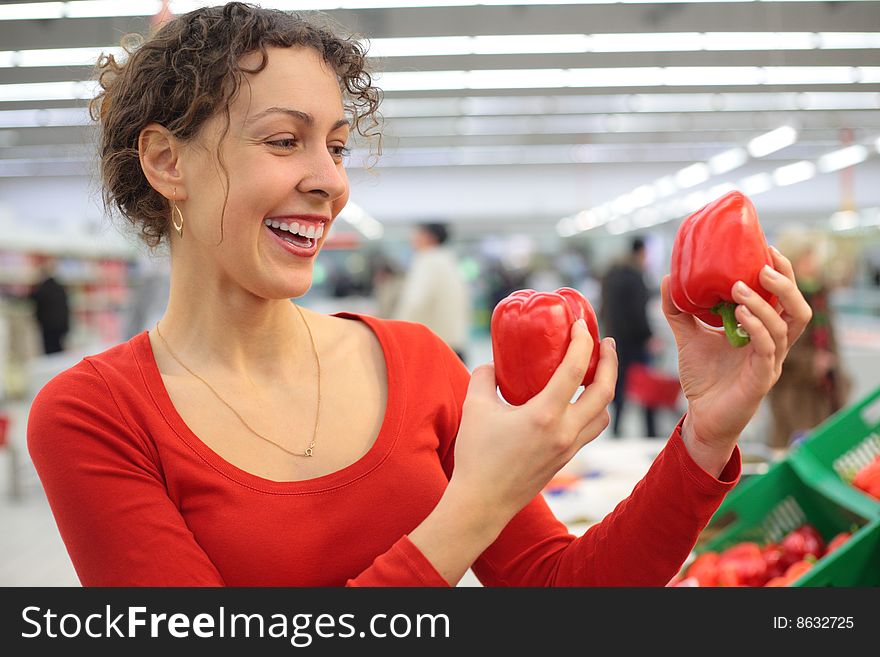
point(797, 570)
point(742, 565)
point(774, 557)
point(838, 541)
point(792, 574)
point(868, 478)
point(704, 569)
point(714, 248)
point(802, 543)
point(781, 580)
point(530, 335)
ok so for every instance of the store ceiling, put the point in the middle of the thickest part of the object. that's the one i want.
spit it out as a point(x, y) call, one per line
point(655, 87)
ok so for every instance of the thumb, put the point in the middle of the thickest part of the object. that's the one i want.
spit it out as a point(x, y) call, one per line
point(682, 323)
point(482, 381)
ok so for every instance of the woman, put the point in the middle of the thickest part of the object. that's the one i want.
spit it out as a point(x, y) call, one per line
point(813, 384)
point(246, 441)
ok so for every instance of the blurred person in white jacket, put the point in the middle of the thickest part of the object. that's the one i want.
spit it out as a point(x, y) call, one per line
point(434, 291)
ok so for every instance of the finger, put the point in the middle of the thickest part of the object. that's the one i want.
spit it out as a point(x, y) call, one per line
point(569, 376)
point(781, 282)
point(589, 433)
point(680, 322)
point(600, 392)
point(762, 341)
point(482, 384)
point(766, 314)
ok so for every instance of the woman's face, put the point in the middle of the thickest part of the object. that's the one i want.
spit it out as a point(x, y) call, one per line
point(283, 159)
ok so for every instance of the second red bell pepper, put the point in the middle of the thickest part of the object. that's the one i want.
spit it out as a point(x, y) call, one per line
point(714, 248)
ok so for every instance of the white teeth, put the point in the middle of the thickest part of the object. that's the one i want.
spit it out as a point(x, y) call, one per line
point(312, 232)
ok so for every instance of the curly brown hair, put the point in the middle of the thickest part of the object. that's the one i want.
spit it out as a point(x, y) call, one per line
point(189, 71)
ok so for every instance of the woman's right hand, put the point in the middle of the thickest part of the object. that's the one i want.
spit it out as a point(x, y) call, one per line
point(505, 455)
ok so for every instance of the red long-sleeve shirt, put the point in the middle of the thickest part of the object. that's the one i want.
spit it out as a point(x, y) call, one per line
point(140, 500)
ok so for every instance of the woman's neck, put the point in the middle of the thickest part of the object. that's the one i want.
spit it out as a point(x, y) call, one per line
point(226, 328)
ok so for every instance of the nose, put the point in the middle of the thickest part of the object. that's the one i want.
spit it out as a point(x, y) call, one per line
point(324, 177)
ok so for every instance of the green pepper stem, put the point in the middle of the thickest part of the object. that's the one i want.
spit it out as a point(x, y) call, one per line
point(736, 335)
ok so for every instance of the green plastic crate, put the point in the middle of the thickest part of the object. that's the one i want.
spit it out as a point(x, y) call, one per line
point(766, 507)
point(830, 456)
point(855, 563)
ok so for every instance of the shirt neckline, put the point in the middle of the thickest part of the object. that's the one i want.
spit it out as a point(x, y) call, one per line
point(380, 450)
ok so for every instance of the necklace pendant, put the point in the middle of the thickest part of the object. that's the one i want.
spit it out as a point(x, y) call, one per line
point(308, 451)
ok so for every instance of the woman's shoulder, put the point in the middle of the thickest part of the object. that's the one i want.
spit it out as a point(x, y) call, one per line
point(405, 334)
point(90, 377)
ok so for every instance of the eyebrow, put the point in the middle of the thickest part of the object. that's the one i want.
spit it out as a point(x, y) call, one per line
point(305, 117)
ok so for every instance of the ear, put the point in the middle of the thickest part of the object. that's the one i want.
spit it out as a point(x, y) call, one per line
point(159, 153)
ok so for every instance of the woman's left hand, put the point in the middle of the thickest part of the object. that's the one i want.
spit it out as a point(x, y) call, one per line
point(724, 385)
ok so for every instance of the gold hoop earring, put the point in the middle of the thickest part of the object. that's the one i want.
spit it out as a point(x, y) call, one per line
point(176, 209)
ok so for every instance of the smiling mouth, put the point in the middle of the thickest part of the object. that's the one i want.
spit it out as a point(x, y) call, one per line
point(299, 234)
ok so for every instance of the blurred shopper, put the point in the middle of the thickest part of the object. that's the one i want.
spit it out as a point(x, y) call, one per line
point(248, 441)
point(623, 315)
point(52, 309)
point(813, 384)
point(434, 291)
point(387, 285)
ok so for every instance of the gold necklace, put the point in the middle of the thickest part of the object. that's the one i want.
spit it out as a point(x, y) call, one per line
point(310, 449)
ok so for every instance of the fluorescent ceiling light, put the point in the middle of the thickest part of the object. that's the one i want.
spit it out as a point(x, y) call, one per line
point(868, 74)
point(586, 219)
point(565, 227)
point(98, 8)
point(109, 8)
point(756, 184)
point(843, 158)
point(728, 160)
point(794, 173)
point(48, 91)
point(843, 40)
point(512, 44)
point(826, 100)
point(666, 186)
point(844, 220)
point(619, 226)
point(32, 118)
point(761, 41)
point(692, 175)
point(56, 56)
point(622, 204)
point(32, 10)
point(537, 78)
point(646, 42)
point(559, 78)
point(643, 195)
point(362, 221)
point(812, 74)
point(772, 141)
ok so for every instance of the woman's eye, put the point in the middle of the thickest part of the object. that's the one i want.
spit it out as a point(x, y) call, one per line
point(340, 151)
point(287, 142)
